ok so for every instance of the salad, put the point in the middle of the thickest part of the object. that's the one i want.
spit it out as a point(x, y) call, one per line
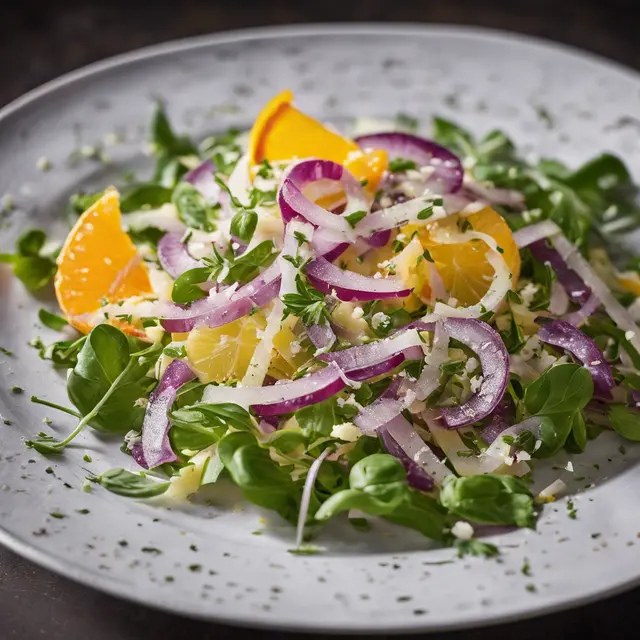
point(389, 326)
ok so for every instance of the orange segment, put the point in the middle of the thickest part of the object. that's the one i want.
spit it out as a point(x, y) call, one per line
point(630, 281)
point(282, 132)
point(463, 267)
point(98, 261)
point(224, 353)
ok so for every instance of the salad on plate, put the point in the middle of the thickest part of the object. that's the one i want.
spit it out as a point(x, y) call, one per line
point(386, 326)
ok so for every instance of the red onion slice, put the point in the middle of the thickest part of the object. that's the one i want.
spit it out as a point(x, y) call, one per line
point(569, 279)
point(376, 358)
point(202, 178)
point(156, 448)
point(293, 203)
point(575, 261)
point(211, 312)
point(350, 286)
point(576, 318)
point(173, 255)
point(564, 335)
point(421, 463)
point(447, 168)
point(321, 335)
point(284, 397)
point(488, 346)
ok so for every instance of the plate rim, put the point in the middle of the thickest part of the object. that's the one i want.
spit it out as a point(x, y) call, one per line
point(80, 575)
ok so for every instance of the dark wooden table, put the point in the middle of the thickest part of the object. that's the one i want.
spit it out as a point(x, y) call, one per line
point(39, 41)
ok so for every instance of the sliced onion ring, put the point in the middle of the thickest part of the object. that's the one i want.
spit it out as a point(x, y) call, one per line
point(421, 463)
point(447, 168)
point(203, 180)
point(376, 358)
point(535, 232)
point(293, 203)
point(173, 255)
point(156, 448)
point(282, 398)
point(350, 286)
point(310, 480)
point(564, 335)
point(487, 344)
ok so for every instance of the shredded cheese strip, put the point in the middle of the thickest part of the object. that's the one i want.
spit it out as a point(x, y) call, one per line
point(261, 359)
point(501, 281)
point(576, 261)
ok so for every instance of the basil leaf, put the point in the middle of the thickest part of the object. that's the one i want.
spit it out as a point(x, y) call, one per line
point(30, 243)
point(131, 485)
point(625, 421)
point(142, 196)
point(35, 273)
point(186, 289)
point(378, 484)
point(246, 267)
point(204, 424)
point(164, 139)
point(52, 320)
point(111, 364)
point(577, 440)
point(489, 499)
point(80, 202)
point(193, 208)
point(318, 419)
point(564, 388)
point(243, 225)
point(422, 513)
point(261, 480)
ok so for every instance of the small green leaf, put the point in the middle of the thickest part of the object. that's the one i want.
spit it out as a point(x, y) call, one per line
point(30, 243)
point(131, 485)
point(243, 225)
point(142, 196)
point(401, 164)
point(354, 218)
point(52, 320)
point(625, 421)
point(192, 207)
point(489, 499)
point(185, 288)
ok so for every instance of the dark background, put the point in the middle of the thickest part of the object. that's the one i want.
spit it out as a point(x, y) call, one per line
point(39, 42)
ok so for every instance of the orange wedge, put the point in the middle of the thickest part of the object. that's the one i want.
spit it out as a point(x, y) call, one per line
point(99, 262)
point(463, 267)
point(282, 132)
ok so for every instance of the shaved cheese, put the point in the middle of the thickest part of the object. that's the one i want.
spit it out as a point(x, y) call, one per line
point(259, 365)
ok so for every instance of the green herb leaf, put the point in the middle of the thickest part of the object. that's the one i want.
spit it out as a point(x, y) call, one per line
point(30, 243)
point(185, 287)
point(112, 370)
point(308, 304)
point(192, 207)
point(354, 218)
point(262, 481)
point(131, 485)
point(205, 424)
point(144, 196)
point(243, 225)
point(476, 548)
point(401, 164)
point(52, 320)
point(489, 499)
point(625, 421)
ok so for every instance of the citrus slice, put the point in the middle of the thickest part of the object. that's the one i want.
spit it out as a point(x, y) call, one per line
point(630, 281)
point(99, 262)
point(463, 267)
point(282, 132)
point(224, 353)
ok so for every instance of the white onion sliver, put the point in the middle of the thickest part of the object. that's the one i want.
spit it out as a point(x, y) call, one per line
point(539, 231)
point(398, 215)
point(414, 446)
point(574, 259)
point(261, 358)
point(430, 377)
point(306, 494)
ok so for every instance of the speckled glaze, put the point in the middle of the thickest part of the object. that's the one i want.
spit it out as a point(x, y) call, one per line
point(206, 560)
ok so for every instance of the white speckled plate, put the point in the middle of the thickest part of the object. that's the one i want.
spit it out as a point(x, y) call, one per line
point(206, 561)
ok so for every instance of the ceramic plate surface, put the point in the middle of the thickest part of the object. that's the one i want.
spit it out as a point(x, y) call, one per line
point(206, 561)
